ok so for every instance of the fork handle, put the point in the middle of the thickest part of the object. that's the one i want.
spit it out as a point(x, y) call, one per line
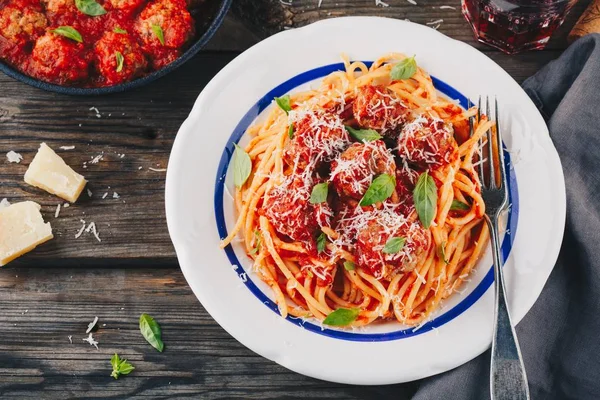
point(508, 380)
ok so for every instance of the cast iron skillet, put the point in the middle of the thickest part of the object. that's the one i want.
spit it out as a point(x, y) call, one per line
point(205, 24)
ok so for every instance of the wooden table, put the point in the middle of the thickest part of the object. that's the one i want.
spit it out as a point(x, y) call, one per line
point(55, 291)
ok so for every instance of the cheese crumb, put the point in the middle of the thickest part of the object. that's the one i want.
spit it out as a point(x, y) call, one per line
point(115, 195)
point(89, 192)
point(70, 339)
point(91, 341)
point(66, 147)
point(66, 205)
point(92, 228)
point(22, 228)
point(80, 230)
point(91, 325)
point(104, 195)
point(48, 171)
point(158, 169)
point(57, 211)
point(14, 157)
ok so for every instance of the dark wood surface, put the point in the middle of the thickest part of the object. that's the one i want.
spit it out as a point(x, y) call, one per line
point(56, 290)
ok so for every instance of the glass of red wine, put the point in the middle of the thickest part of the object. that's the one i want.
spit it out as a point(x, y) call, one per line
point(515, 25)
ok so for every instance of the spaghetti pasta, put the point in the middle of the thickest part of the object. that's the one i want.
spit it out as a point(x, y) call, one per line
point(363, 197)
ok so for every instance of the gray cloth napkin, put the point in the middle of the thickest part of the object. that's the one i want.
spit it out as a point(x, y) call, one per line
point(560, 336)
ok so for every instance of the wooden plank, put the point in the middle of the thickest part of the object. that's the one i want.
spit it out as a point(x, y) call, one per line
point(41, 307)
point(266, 17)
point(142, 125)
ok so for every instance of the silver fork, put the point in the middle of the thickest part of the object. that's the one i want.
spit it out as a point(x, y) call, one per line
point(508, 380)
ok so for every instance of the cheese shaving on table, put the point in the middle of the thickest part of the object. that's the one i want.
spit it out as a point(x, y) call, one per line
point(80, 230)
point(92, 228)
point(66, 147)
point(413, 2)
point(381, 3)
point(57, 211)
point(447, 8)
point(70, 339)
point(96, 159)
point(14, 157)
point(89, 192)
point(91, 341)
point(104, 195)
point(115, 195)
point(91, 325)
point(4, 203)
point(157, 169)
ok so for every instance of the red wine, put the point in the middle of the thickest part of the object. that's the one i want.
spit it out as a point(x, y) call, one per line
point(515, 25)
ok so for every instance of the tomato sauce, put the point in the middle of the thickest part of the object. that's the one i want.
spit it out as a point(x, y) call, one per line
point(93, 43)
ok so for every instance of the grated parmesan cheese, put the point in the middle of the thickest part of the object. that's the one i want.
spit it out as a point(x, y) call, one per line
point(14, 157)
point(91, 325)
point(104, 195)
point(115, 195)
point(70, 339)
point(157, 169)
point(66, 147)
point(57, 211)
point(89, 193)
point(91, 341)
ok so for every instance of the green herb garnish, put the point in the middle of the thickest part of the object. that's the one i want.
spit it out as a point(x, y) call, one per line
point(120, 61)
point(380, 189)
point(405, 69)
point(90, 7)
point(151, 332)
point(285, 103)
point(69, 32)
point(425, 199)
point(319, 193)
point(321, 242)
point(159, 33)
point(363, 135)
point(394, 245)
point(342, 317)
point(120, 366)
point(242, 166)
point(349, 265)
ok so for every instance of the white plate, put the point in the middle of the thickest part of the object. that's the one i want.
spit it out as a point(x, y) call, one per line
point(387, 353)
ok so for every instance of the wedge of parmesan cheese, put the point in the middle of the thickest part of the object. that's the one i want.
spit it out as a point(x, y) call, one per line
point(49, 172)
point(22, 228)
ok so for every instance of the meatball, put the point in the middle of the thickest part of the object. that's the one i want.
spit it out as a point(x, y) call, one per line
point(353, 171)
point(318, 137)
point(169, 17)
point(126, 5)
point(288, 208)
point(59, 60)
point(406, 179)
point(376, 107)
point(60, 6)
point(371, 241)
point(18, 23)
point(107, 52)
point(428, 142)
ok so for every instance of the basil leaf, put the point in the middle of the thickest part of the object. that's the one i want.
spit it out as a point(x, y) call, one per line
point(242, 165)
point(159, 33)
point(394, 245)
point(119, 30)
point(90, 7)
point(120, 61)
point(425, 198)
point(380, 189)
point(69, 32)
point(321, 242)
point(120, 366)
point(285, 103)
point(151, 332)
point(342, 317)
point(405, 69)
point(319, 193)
point(442, 252)
point(363, 135)
point(349, 265)
point(291, 131)
point(257, 242)
point(459, 206)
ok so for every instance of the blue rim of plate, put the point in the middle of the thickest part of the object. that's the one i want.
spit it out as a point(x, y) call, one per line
point(462, 306)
